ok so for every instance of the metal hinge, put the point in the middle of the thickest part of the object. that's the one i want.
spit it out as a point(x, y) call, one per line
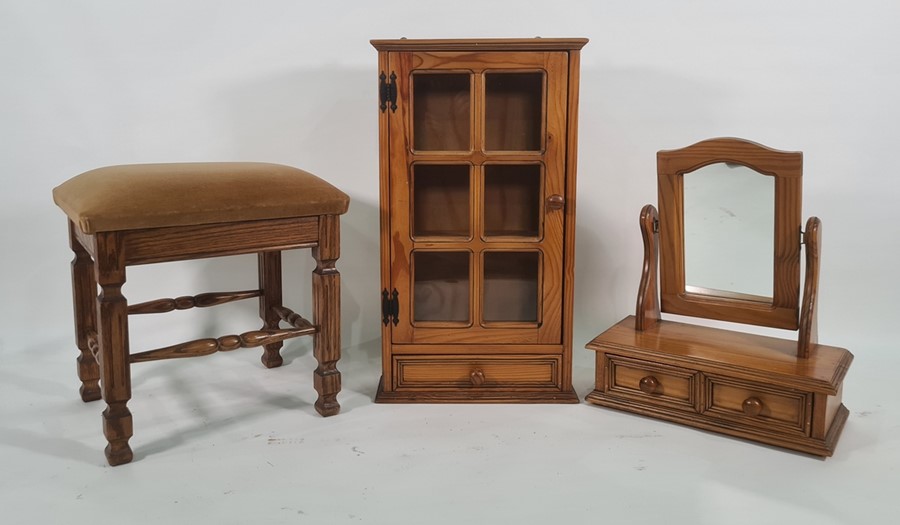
point(387, 91)
point(390, 307)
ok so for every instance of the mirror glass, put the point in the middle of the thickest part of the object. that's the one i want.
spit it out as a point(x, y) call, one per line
point(729, 232)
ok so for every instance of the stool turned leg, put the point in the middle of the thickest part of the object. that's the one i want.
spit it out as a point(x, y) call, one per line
point(270, 284)
point(84, 295)
point(327, 315)
point(115, 368)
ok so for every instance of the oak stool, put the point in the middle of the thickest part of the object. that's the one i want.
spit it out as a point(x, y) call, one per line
point(149, 213)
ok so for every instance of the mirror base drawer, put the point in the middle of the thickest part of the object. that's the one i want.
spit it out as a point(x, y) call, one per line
point(757, 404)
point(654, 383)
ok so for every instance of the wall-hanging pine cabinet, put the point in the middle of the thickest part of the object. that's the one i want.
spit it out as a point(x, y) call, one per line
point(477, 180)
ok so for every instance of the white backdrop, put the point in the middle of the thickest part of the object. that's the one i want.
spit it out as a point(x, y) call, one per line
point(93, 82)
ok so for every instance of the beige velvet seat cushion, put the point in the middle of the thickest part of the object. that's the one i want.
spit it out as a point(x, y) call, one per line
point(140, 196)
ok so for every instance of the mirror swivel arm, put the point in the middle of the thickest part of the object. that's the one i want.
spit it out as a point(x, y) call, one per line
point(808, 336)
point(647, 312)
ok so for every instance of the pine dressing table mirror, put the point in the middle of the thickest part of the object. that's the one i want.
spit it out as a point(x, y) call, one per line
point(723, 255)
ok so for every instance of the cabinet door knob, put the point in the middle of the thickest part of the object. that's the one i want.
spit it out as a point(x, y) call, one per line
point(477, 377)
point(649, 385)
point(752, 406)
point(555, 202)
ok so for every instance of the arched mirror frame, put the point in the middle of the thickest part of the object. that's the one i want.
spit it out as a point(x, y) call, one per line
point(787, 169)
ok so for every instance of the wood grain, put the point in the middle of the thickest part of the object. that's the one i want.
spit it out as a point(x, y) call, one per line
point(215, 240)
point(327, 316)
point(571, 166)
point(799, 398)
point(473, 395)
point(770, 390)
point(269, 277)
point(647, 312)
point(84, 306)
point(101, 321)
point(385, 143)
point(186, 302)
point(808, 308)
point(787, 168)
point(669, 385)
point(758, 404)
point(557, 63)
point(481, 44)
point(112, 338)
point(227, 343)
point(456, 372)
point(737, 354)
point(475, 349)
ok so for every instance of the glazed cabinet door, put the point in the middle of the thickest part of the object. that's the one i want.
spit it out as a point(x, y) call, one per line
point(477, 179)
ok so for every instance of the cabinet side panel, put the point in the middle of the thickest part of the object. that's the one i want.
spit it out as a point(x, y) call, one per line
point(569, 241)
point(384, 190)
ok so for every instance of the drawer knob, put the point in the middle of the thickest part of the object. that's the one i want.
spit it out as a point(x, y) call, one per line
point(752, 406)
point(477, 377)
point(649, 385)
point(555, 202)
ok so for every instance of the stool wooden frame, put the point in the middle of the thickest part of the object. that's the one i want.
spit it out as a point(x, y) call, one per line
point(101, 321)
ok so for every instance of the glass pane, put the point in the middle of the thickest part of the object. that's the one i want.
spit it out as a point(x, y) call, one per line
point(511, 286)
point(729, 230)
point(441, 286)
point(513, 111)
point(441, 116)
point(512, 200)
point(440, 200)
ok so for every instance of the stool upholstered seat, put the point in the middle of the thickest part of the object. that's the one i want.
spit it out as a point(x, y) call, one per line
point(146, 213)
point(139, 196)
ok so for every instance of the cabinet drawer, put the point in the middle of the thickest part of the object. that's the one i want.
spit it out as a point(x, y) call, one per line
point(757, 404)
point(650, 382)
point(476, 372)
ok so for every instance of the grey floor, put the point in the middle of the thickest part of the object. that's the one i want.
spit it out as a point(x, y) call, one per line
point(220, 439)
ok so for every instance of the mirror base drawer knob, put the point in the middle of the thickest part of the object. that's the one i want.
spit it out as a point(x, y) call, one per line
point(649, 385)
point(477, 377)
point(752, 406)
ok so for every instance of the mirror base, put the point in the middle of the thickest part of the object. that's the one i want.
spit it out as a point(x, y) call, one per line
point(708, 377)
